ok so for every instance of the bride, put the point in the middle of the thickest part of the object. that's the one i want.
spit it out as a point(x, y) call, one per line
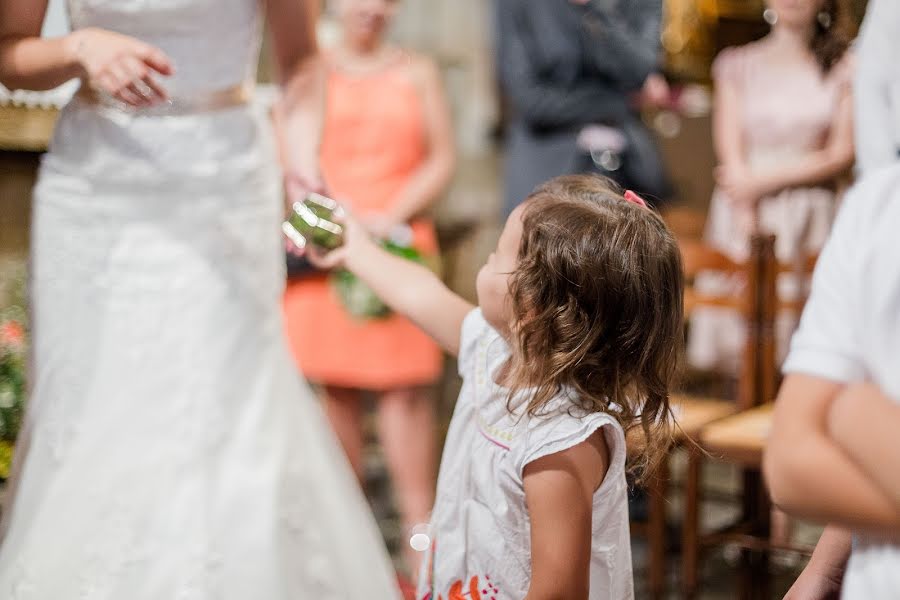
point(166, 455)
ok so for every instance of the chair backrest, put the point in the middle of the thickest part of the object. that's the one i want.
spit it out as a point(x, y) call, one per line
point(685, 223)
point(772, 307)
point(759, 274)
point(801, 269)
point(697, 259)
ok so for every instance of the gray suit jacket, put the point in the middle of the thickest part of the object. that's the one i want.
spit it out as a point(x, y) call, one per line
point(562, 66)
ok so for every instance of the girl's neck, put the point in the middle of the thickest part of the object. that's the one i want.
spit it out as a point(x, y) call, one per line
point(503, 373)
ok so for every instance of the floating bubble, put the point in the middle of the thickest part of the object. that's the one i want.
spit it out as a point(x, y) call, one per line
point(667, 123)
point(419, 539)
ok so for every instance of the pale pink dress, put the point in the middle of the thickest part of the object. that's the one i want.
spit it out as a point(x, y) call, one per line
point(787, 111)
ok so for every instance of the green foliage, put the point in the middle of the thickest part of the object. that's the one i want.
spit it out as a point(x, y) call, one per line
point(357, 298)
point(13, 357)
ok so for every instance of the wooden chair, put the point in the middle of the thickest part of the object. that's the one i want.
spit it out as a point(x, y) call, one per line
point(740, 439)
point(693, 413)
point(751, 305)
point(685, 223)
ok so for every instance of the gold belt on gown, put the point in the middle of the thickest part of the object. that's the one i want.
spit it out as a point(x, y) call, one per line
point(179, 105)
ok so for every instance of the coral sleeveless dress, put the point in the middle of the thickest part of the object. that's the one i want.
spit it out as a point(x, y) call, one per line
point(373, 142)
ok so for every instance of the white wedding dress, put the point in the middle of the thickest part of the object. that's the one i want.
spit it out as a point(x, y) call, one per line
point(171, 450)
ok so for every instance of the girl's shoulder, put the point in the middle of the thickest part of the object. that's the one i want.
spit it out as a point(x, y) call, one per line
point(562, 425)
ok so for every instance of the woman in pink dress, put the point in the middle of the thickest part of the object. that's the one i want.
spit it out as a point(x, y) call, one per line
point(783, 134)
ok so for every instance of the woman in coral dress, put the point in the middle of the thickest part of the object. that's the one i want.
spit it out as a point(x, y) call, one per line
point(386, 152)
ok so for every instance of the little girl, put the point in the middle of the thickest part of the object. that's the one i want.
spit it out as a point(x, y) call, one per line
point(574, 342)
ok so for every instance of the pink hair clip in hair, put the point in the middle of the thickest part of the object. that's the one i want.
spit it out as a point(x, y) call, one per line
point(634, 198)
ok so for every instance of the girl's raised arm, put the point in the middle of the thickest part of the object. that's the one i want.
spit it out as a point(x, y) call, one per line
point(407, 287)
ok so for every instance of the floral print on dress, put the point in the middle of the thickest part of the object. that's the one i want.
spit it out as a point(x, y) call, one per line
point(475, 590)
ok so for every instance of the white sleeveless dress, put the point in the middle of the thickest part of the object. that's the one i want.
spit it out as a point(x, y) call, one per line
point(171, 450)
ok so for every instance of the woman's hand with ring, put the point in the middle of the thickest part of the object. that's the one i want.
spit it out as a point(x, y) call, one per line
point(120, 66)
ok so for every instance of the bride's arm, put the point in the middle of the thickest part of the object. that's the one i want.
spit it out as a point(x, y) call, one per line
point(26, 60)
point(292, 24)
point(297, 114)
point(119, 65)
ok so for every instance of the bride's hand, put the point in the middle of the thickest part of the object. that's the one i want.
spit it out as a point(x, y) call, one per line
point(121, 66)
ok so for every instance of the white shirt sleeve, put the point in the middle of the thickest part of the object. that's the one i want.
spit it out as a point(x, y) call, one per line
point(876, 75)
point(553, 434)
point(827, 343)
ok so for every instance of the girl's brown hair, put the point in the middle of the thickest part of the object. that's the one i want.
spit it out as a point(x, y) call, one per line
point(597, 295)
point(832, 34)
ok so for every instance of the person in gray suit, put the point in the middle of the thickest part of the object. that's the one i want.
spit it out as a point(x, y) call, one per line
point(568, 65)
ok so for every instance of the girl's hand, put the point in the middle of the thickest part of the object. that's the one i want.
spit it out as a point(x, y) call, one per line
point(121, 66)
point(380, 226)
point(739, 185)
point(357, 242)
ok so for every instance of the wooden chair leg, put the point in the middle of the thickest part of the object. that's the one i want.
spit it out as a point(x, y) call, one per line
point(656, 534)
point(763, 573)
point(690, 532)
point(754, 575)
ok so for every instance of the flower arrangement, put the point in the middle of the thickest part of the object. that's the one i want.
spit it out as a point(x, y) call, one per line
point(13, 352)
